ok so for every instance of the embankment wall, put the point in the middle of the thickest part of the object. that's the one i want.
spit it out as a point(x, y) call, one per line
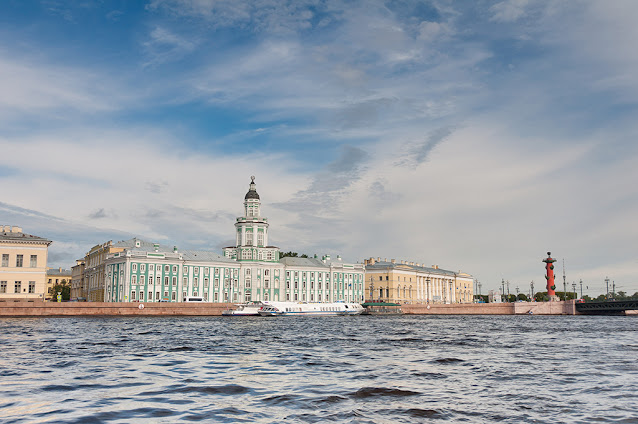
point(517, 308)
point(12, 308)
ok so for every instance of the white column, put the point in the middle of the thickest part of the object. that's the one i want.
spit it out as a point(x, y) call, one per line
point(254, 235)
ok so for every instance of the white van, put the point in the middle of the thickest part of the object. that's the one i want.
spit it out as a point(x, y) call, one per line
point(193, 299)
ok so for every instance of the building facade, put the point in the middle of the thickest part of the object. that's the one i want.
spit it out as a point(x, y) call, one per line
point(94, 275)
point(78, 287)
point(23, 264)
point(409, 282)
point(249, 271)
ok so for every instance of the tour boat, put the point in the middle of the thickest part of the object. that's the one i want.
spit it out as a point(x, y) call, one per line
point(302, 308)
point(245, 309)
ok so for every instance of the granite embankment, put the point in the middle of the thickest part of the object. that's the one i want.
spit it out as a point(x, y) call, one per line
point(11, 308)
point(516, 308)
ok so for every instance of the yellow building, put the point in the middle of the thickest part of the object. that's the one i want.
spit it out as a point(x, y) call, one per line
point(23, 264)
point(94, 269)
point(56, 276)
point(409, 282)
point(78, 287)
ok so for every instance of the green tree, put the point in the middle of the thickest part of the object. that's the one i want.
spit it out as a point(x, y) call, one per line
point(62, 287)
point(523, 297)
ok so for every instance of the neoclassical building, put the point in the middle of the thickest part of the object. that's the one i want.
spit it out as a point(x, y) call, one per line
point(249, 271)
point(23, 264)
point(409, 282)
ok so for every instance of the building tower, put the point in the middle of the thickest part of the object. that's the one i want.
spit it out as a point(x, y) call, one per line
point(551, 286)
point(252, 232)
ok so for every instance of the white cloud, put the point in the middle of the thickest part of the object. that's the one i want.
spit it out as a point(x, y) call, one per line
point(509, 10)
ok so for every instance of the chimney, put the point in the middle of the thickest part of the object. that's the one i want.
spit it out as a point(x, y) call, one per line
point(371, 261)
point(385, 259)
point(16, 229)
point(394, 261)
point(378, 259)
point(174, 249)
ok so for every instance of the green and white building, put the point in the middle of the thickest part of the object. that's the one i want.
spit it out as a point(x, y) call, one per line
point(250, 270)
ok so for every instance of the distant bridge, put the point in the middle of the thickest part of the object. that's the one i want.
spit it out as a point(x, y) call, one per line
point(612, 307)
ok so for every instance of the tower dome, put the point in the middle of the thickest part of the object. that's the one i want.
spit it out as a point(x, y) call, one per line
point(252, 191)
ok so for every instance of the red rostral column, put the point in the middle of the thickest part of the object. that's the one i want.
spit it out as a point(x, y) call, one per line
point(549, 266)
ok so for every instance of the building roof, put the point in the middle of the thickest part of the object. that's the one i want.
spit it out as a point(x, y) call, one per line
point(203, 255)
point(15, 234)
point(252, 192)
point(296, 261)
point(383, 265)
point(58, 271)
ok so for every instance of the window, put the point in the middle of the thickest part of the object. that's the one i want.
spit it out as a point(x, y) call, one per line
point(34, 261)
point(134, 267)
point(141, 296)
point(185, 281)
point(266, 283)
point(158, 280)
point(287, 274)
point(216, 282)
point(150, 296)
point(266, 271)
point(166, 295)
point(195, 280)
point(143, 268)
point(142, 280)
point(3, 286)
point(260, 239)
point(380, 277)
point(5, 259)
point(158, 267)
point(19, 259)
point(174, 268)
point(247, 284)
point(18, 287)
point(196, 270)
point(206, 271)
point(133, 295)
point(216, 297)
point(174, 296)
point(288, 284)
point(174, 281)
point(249, 238)
point(134, 279)
point(166, 268)
point(184, 295)
point(166, 281)
point(206, 282)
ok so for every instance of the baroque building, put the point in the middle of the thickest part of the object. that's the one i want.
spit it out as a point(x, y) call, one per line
point(409, 282)
point(251, 270)
point(23, 264)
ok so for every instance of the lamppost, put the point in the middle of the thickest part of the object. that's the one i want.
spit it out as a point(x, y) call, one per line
point(574, 287)
point(371, 289)
point(427, 283)
point(531, 285)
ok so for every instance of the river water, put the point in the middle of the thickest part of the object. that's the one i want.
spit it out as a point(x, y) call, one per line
point(365, 369)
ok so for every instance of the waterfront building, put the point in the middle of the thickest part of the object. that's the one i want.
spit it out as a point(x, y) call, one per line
point(251, 270)
point(94, 275)
point(410, 282)
point(56, 276)
point(78, 287)
point(23, 264)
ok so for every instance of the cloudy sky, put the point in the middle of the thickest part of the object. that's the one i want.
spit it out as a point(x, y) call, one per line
point(472, 135)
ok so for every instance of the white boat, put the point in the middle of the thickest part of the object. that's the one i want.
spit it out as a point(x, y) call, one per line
point(319, 309)
point(245, 309)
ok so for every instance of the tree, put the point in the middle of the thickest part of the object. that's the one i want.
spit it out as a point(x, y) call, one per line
point(523, 297)
point(291, 255)
point(62, 287)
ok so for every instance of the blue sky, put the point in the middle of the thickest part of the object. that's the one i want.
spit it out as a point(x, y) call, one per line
point(472, 135)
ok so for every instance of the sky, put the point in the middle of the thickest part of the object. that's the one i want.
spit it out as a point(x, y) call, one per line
point(476, 136)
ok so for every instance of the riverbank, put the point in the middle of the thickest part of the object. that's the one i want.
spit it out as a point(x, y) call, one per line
point(23, 308)
point(39, 308)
